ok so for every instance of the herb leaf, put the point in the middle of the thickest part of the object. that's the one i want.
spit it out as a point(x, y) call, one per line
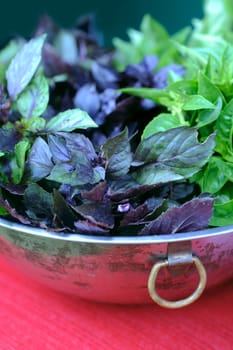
point(24, 65)
point(161, 122)
point(118, 155)
point(139, 162)
point(70, 120)
point(33, 101)
point(171, 155)
point(9, 137)
point(40, 160)
point(62, 210)
point(191, 216)
point(38, 203)
point(223, 213)
point(19, 162)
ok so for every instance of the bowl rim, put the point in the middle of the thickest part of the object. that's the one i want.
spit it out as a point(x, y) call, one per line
point(122, 240)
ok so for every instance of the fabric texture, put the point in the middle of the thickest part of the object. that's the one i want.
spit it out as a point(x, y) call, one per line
point(33, 317)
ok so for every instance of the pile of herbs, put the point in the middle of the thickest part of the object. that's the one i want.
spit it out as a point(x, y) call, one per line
point(132, 140)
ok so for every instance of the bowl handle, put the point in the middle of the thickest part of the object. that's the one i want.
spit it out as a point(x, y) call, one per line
point(168, 262)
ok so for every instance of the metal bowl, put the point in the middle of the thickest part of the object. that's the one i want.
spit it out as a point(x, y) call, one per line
point(173, 270)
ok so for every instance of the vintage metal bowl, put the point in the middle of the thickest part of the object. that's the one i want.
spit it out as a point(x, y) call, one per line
point(172, 270)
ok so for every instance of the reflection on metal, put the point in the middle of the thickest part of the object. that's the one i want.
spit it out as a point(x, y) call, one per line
point(116, 269)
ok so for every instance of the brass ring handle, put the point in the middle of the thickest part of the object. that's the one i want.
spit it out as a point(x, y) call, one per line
point(178, 303)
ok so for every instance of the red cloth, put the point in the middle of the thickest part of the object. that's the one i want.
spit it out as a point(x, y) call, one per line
point(33, 317)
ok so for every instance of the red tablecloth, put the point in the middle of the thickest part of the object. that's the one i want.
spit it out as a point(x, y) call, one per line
point(33, 317)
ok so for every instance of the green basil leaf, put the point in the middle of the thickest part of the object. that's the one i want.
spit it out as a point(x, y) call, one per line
point(18, 162)
point(223, 214)
point(20, 152)
point(193, 56)
point(148, 93)
point(207, 89)
point(162, 122)
point(226, 66)
point(214, 178)
point(206, 117)
point(224, 129)
point(33, 101)
point(218, 16)
point(3, 211)
point(178, 96)
point(2, 74)
point(70, 120)
point(33, 124)
point(196, 102)
point(152, 38)
point(212, 68)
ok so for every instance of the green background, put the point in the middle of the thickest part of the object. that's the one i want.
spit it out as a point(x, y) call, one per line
point(113, 17)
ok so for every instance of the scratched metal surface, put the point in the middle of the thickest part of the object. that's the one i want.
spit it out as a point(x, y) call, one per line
point(114, 269)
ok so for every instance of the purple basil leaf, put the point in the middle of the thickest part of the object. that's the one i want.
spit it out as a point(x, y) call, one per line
point(4, 105)
point(48, 26)
point(143, 71)
point(98, 138)
point(13, 189)
point(9, 137)
point(87, 99)
point(62, 210)
point(135, 214)
point(52, 62)
point(191, 216)
point(39, 202)
point(78, 163)
point(86, 24)
point(78, 142)
point(105, 77)
point(58, 149)
point(160, 79)
point(98, 213)
point(150, 62)
point(97, 193)
point(24, 65)
point(78, 171)
point(12, 211)
point(117, 152)
point(156, 207)
point(40, 160)
point(171, 155)
point(181, 190)
point(126, 188)
point(108, 104)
